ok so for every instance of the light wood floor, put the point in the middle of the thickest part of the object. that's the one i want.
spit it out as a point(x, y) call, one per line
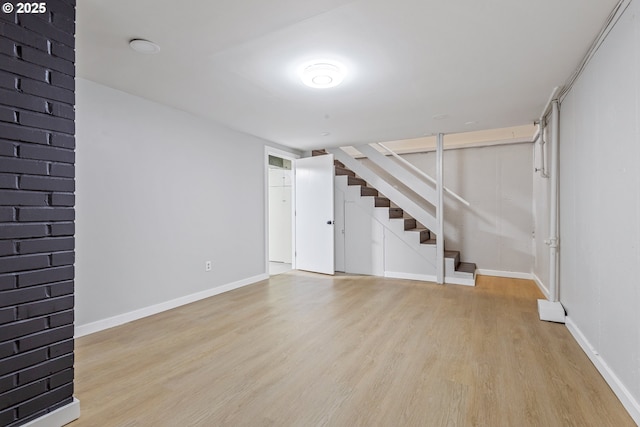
point(309, 350)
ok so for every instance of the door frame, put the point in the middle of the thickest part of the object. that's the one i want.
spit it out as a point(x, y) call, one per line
point(272, 151)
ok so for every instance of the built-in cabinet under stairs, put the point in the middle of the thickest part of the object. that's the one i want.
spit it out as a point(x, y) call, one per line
point(410, 247)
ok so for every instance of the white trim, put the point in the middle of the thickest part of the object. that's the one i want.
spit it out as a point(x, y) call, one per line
point(454, 146)
point(459, 146)
point(281, 153)
point(59, 417)
point(410, 276)
point(452, 280)
point(626, 398)
point(541, 285)
point(427, 278)
point(100, 325)
point(507, 274)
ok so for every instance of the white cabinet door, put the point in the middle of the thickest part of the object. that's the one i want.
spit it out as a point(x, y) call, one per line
point(363, 242)
point(280, 224)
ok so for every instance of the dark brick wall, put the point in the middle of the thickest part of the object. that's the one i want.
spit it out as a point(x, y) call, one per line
point(37, 70)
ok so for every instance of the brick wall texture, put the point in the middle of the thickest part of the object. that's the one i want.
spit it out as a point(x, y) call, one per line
point(37, 143)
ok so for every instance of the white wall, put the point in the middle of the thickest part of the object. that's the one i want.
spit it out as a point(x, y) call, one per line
point(159, 192)
point(600, 208)
point(495, 232)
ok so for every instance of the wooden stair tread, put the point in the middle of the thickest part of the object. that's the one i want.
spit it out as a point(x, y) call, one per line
point(409, 224)
point(466, 267)
point(352, 180)
point(425, 234)
point(368, 191)
point(456, 257)
point(345, 171)
point(318, 152)
point(396, 213)
point(429, 242)
point(382, 202)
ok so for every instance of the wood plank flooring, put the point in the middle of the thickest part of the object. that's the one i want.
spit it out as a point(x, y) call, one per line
point(310, 350)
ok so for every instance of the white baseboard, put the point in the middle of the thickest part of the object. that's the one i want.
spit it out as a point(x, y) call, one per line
point(410, 276)
point(59, 417)
point(100, 325)
point(427, 278)
point(541, 285)
point(507, 274)
point(626, 398)
point(449, 280)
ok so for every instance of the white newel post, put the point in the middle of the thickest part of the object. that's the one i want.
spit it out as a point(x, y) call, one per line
point(440, 210)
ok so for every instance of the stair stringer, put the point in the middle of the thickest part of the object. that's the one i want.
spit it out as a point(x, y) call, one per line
point(414, 183)
point(404, 202)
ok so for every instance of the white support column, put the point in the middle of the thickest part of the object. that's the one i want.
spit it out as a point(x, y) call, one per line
point(552, 310)
point(440, 210)
point(553, 215)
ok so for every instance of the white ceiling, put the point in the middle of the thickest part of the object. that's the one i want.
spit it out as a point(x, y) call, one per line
point(493, 62)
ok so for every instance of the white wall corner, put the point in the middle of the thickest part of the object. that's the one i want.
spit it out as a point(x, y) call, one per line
point(100, 325)
point(59, 417)
point(626, 398)
point(541, 285)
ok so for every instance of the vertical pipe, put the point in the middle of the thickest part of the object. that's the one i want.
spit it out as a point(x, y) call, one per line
point(440, 210)
point(553, 210)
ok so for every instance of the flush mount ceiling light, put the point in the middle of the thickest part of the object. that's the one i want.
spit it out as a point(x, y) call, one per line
point(144, 46)
point(322, 73)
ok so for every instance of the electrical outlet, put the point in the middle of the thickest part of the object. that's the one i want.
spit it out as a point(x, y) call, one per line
point(207, 266)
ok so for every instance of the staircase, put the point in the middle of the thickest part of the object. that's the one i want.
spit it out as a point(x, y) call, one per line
point(402, 224)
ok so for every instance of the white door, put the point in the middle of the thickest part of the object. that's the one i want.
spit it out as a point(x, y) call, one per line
point(314, 214)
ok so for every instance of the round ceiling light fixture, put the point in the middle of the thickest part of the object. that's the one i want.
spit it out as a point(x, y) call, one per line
point(322, 73)
point(144, 46)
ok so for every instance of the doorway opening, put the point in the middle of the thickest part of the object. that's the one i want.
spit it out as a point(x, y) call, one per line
point(280, 212)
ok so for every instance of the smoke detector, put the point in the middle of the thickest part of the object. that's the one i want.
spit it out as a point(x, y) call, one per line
point(144, 46)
